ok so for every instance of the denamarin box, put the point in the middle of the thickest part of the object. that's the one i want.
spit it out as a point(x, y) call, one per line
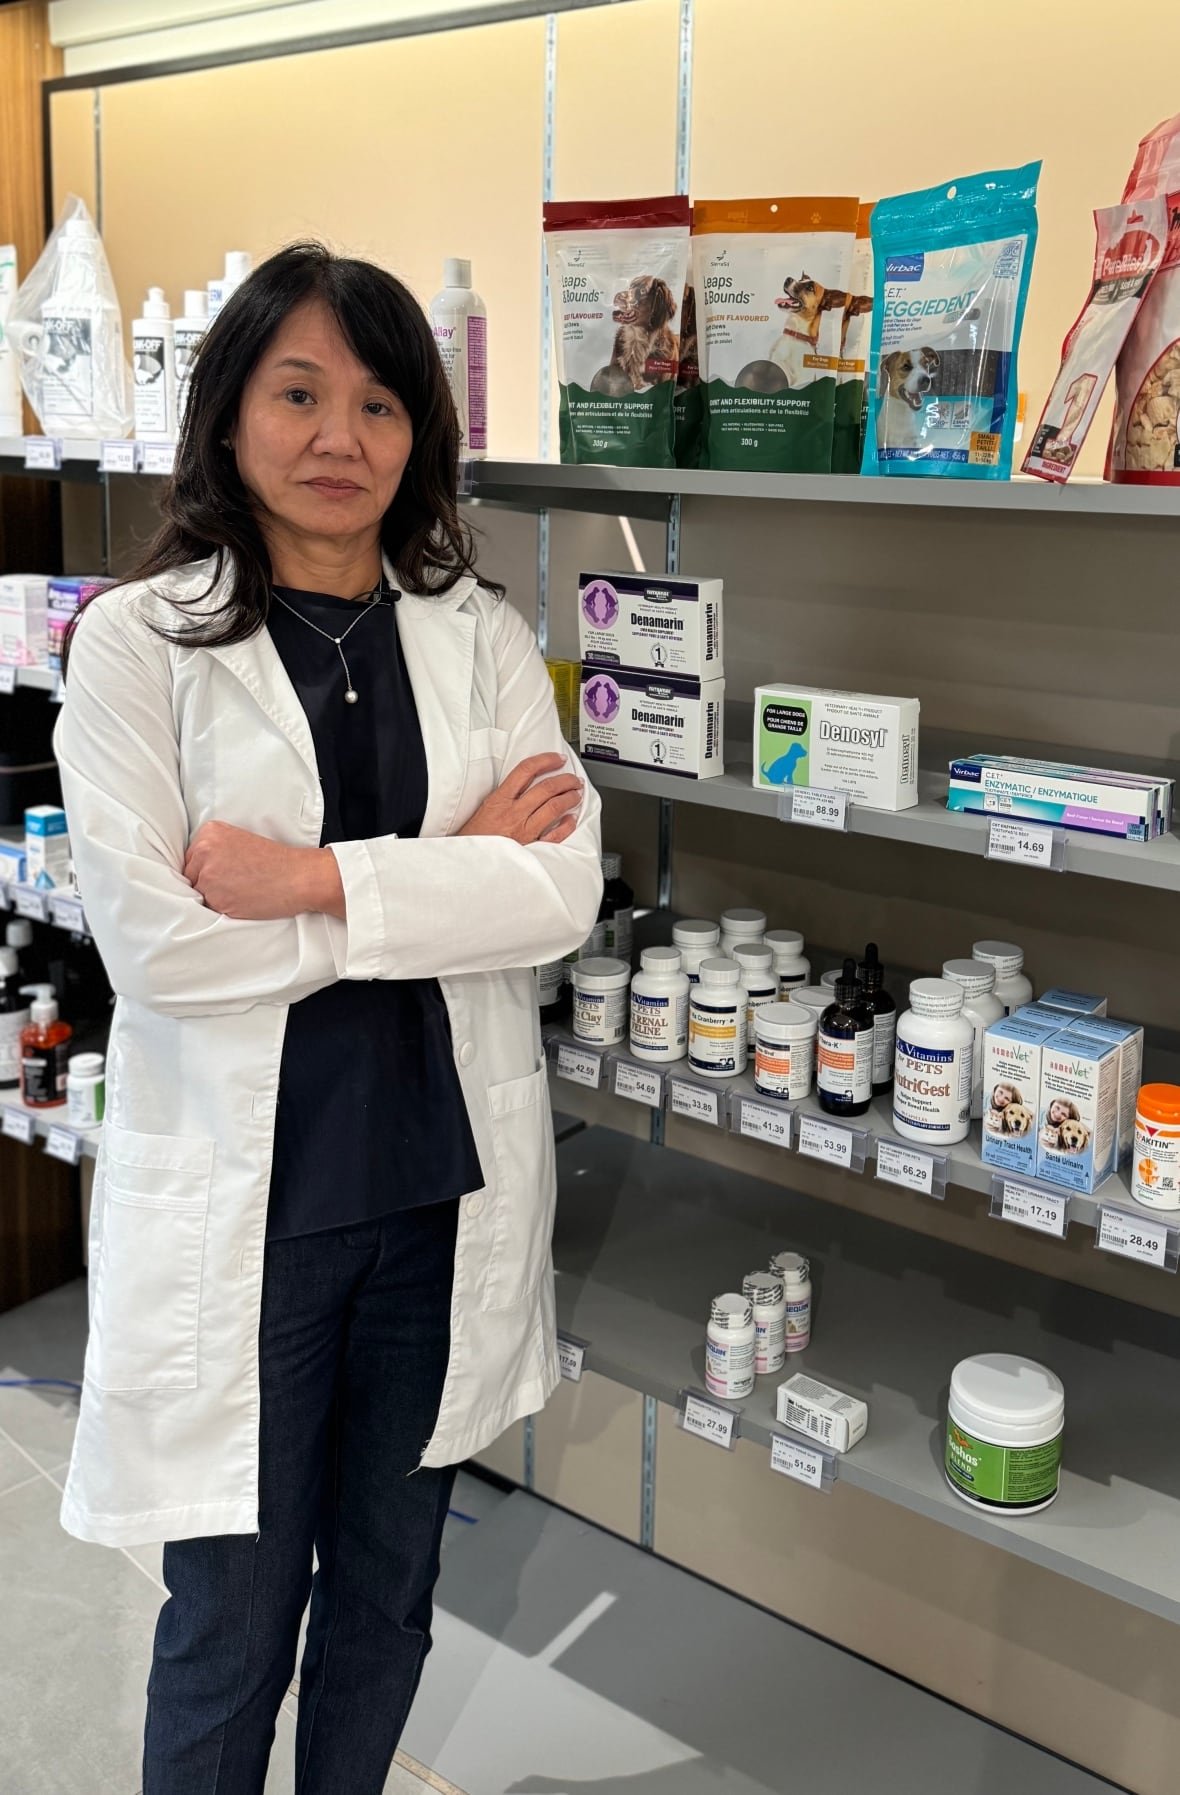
point(667, 626)
point(672, 726)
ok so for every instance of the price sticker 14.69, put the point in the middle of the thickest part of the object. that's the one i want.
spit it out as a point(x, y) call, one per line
point(707, 1421)
point(907, 1166)
point(1010, 839)
point(1047, 1212)
point(1119, 1232)
point(820, 1139)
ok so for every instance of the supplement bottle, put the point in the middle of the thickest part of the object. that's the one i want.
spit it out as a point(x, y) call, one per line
point(717, 1020)
point(884, 1013)
point(14, 1018)
point(765, 1292)
point(729, 1348)
point(697, 940)
point(1155, 1169)
point(741, 925)
point(815, 998)
point(784, 1051)
point(844, 1073)
point(932, 1080)
point(553, 990)
point(790, 962)
point(1005, 1422)
point(981, 1006)
point(44, 1047)
point(86, 1090)
point(659, 1006)
point(34, 967)
point(459, 320)
point(1012, 988)
point(153, 362)
point(600, 1001)
point(795, 1272)
point(592, 948)
point(758, 978)
point(830, 979)
point(618, 909)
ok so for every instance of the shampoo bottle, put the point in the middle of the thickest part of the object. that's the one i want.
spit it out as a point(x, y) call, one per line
point(83, 372)
point(238, 263)
point(45, 1051)
point(459, 320)
point(153, 354)
point(11, 418)
point(187, 334)
point(14, 1016)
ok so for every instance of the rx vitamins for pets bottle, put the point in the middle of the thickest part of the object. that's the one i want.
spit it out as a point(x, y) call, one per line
point(1005, 1421)
point(600, 1001)
point(717, 1020)
point(659, 1006)
point(741, 925)
point(759, 979)
point(932, 1073)
point(790, 962)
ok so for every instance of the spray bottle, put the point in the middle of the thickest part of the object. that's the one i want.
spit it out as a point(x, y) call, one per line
point(153, 354)
point(44, 1051)
point(459, 320)
point(188, 334)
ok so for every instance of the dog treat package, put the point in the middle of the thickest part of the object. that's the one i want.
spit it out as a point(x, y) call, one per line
point(951, 268)
point(689, 400)
point(1145, 440)
point(1129, 251)
point(617, 272)
point(856, 328)
point(771, 279)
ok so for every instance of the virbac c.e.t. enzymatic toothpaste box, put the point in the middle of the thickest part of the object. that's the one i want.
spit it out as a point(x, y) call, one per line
point(1098, 800)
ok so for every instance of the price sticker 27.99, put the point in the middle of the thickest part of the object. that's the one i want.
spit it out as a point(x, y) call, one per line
point(707, 1421)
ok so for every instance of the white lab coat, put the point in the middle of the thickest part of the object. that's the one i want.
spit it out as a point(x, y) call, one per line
point(155, 740)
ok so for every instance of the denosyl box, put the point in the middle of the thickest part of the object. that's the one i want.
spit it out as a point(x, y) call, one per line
point(1130, 807)
point(1012, 1052)
point(850, 742)
point(1078, 1120)
point(667, 626)
point(667, 725)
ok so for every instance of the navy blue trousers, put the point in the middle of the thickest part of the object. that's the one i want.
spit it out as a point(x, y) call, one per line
point(353, 1346)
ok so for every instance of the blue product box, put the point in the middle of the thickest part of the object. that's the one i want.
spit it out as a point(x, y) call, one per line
point(1079, 1003)
point(12, 863)
point(1128, 1037)
point(1078, 1117)
point(1013, 1049)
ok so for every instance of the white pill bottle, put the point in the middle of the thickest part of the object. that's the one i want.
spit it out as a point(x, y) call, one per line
point(1012, 987)
point(982, 1007)
point(765, 1292)
point(795, 1272)
point(600, 1001)
point(659, 1006)
point(790, 962)
point(741, 925)
point(932, 1067)
point(717, 1021)
point(730, 1347)
point(759, 979)
point(697, 940)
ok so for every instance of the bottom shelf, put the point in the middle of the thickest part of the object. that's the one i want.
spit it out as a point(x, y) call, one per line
point(646, 1237)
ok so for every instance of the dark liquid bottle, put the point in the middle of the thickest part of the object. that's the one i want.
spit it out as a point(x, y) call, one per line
point(618, 909)
point(844, 1079)
point(883, 1010)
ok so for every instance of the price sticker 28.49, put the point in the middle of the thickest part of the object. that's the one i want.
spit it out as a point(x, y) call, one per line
point(1123, 1233)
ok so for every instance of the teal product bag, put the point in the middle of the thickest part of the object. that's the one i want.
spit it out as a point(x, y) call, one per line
point(951, 270)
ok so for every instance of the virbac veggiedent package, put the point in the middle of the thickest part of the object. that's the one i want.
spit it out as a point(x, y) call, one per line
point(771, 280)
point(951, 268)
point(617, 271)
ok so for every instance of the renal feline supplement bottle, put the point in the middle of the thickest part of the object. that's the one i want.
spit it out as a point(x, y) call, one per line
point(618, 909)
point(717, 1020)
point(795, 1273)
point(1012, 987)
point(765, 1292)
point(1155, 1169)
point(741, 925)
point(758, 977)
point(600, 1001)
point(659, 1006)
point(932, 1077)
point(982, 1007)
point(784, 1051)
point(884, 1013)
point(844, 1074)
point(730, 1347)
point(1005, 1422)
point(697, 941)
point(790, 962)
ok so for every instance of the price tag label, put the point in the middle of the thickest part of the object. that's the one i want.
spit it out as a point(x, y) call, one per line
point(571, 1355)
point(793, 1459)
point(696, 1103)
point(907, 1166)
point(824, 810)
point(579, 1066)
point(67, 913)
point(708, 1422)
point(7, 679)
point(158, 458)
point(32, 905)
point(761, 1123)
point(821, 1139)
point(19, 1125)
point(1047, 1213)
point(639, 1083)
point(43, 453)
point(1010, 839)
point(1145, 1241)
point(118, 456)
point(65, 1145)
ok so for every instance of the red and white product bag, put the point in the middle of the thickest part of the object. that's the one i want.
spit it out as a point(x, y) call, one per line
point(1127, 257)
point(1145, 441)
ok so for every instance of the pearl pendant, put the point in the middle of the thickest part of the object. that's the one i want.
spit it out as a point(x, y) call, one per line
point(350, 696)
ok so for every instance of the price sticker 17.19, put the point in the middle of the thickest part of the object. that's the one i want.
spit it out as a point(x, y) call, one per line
point(1047, 1212)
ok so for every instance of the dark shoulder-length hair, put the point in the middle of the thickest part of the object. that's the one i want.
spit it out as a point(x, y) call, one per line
point(207, 510)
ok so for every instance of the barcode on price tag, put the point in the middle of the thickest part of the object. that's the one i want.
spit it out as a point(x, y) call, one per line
point(571, 1356)
point(796, 1460)
point(640, 1083)
point(1126, 1234)
point(907, 1166)
point(1010, 839)
point(825, 810)
point(7, 679)
point(579, 1066)
point(42, 453)
point(761, 1123)
point(158, 458)
point(697, 1104)
point(820, 1139)
point(65, 1145)
point(118, 456)
point(1047, 1212)
point(19, 1125)
point(707, 1421)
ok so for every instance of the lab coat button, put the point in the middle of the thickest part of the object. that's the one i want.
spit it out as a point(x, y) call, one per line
point(466, 1053)
point(474, 1207)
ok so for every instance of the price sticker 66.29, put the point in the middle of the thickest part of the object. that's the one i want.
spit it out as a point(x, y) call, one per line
point(907, 1166)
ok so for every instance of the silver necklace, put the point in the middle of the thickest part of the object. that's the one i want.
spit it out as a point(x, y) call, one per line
point(351, 695)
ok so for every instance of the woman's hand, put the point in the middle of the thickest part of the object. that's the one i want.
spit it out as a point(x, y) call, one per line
point(527, 806)
point(256, 880)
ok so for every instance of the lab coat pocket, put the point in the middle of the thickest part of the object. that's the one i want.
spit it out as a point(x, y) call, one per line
point(523, 1192)
point(145, 1320)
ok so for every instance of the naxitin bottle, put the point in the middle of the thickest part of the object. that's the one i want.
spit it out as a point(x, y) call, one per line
point(844, 1074)
point(765, 1291)
point(795, 1273)
point(729, 1347)
point(884, 1013)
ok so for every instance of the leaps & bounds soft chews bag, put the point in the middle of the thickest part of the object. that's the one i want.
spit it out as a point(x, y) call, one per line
point(617, 271)
point(951, 271)
point(1145, 440)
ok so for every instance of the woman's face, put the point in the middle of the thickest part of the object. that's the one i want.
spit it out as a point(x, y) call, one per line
point(320, 443)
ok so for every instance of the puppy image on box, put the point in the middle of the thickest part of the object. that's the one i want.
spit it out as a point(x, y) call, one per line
point(645, 351)
point(1017, 1119)
point(904, 382)
point(806, 301)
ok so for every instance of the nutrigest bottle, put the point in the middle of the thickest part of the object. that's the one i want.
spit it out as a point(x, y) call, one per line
point(844, 1073)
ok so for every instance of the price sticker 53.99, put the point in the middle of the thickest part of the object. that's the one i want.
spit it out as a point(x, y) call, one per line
point(820, 1139)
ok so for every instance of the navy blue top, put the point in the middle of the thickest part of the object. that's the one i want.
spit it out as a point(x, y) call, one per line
point(371, 1115)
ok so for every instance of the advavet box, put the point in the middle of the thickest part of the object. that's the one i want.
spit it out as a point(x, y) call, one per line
point(1078, 1123)
point(848, 742)
point(673, 726)
point(1013, 1049)
point(665, 626)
